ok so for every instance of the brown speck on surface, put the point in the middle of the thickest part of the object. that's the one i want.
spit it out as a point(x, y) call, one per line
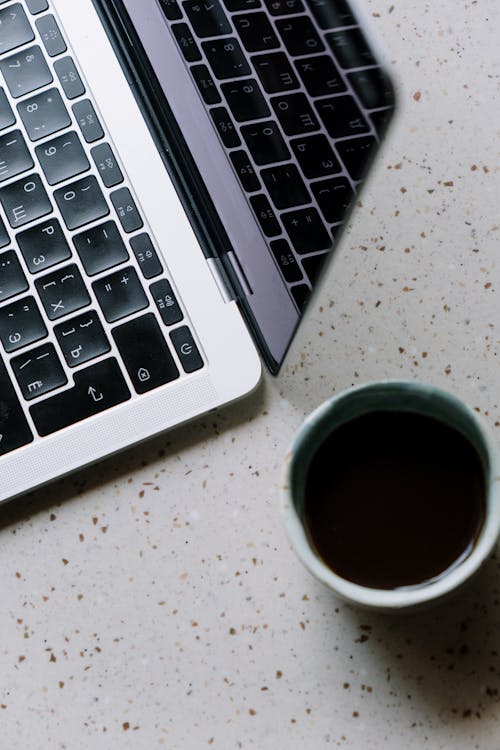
point(252, 711)
point(125, 726)
point(355, 714)
point(81, 537)
point(279, 674)
point(64, 561)
point(232, 631)
point(417, 96)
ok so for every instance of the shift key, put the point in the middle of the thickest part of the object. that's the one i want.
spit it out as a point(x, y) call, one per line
point(96, 389)
point(14, 430)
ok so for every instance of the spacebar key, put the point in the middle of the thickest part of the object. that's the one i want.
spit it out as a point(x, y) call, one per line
point(96, 389)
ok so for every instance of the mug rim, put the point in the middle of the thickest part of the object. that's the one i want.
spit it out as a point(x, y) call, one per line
point(401, 598)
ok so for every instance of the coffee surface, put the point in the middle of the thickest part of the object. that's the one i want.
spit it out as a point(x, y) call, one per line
point(394, 499)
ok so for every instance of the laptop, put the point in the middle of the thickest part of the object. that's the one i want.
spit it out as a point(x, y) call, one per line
point(173, 176)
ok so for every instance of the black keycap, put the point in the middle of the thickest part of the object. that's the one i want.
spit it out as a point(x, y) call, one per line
point(81, 202)
point(120, 294)
point(38, 371)
point(313, 266)
point(166, 302)
point(146, 256)
point(299, 35)
point(12, 279)
point(295, 114)
point(234, 6)
point(245, 100)
point(315, 156)
point(100, 248)
point(44, 114)
point(186, 349)
point(126, 209)
point(69, 77)
point(320, 76)
point(245, 171)
point(373, 87)
point(256, 31)
point(306, 230)
point(13, 424)
point(330, 15)
point(186, 42)
point(107, 165)
point(226, 58)
point(62, 292)
point(43, 246)
point(225, 127)
point(265, 142)
point(88, 121)
point(170, 9)
point(37, 6)
point(145, 353)
point(62, 158)
point(21, 324)
point(25, 200)
point(82, 338)
point(275, 72)
point(265, 215)
point(350, 48)
point(7, 116)
point(381, 120)
point(96, 389)
point(286, 260)
point(334, 198)
point(300, 294)
point(341, 116)
point(4, 235)
point(206, 84)
point(26, 71)
point(15, 29)
point(356, 154)
point(285, 186)
point(51, 35)
point(14, 155)
point(283, 7)
point(207, 18)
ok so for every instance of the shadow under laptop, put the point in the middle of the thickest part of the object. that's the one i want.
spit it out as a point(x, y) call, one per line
point(113, 468)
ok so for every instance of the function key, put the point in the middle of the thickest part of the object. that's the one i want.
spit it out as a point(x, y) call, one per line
point(330, 15)
point(37, 6)
point(334, 198)
point(43, 246)
point(245, 171)
point(25, 72)
point(88, 121)
point(126, 209)
point(81, 202)
point(146, 256)
point(350, 48)
point(82, 339)
point(107, 165)
point(14, 155)
point(265, 142)
point(62, 158)
point(255, 31)
point(21, 324)
point(225, 127)
point(245, 100)
point(13, 425)
point(12, 279)
point(286, 260)
point(38, 371)
point(341, 116)
point(265, 215)
point(299, 35)
point(315, 156)
point(285, 186)
point(166, 302)
point(15, 28)
point(306, 230)
point(120, 294)
point(206, 84)
point(320, 76)
point(207, 19)
point(25, 200)
point(69, 77)
point(51, 36)
point(44, 114)
point(100, 248)
point(186, 42)
point(7, 116)
point(295, 114)
point(275, 72)
point(356, 154)
point(226, 58)
point(236, 5)
point(171, 10)
point(284, 7)
point(62, 292)
point(186, 349)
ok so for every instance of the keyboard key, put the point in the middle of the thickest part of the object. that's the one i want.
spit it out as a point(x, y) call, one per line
point(286, 260)
point(21, 324)
point(38, 371)
point(62, 292)
point(62, 158)
point(334, 198)
point(25, 200)
point(320, 76)
point(235, 5)
point(37, 6)
point(146, 256)
point(4, 235)
point(306, 230)
point(81, 202)
point(245, 171)
point(207, 18)
point(166, 302)
point(12, 279)
point(356, 154)
point(313, 266)
point(295, 114)
point(275, 72)
point(51, 36)
point(331, 15)
point(100, 248)
point(107, 165)
point(186, 42)
point(26, 71)
point(206, 84)
point(315, 156)
point(265, 215)
point(14, 155)
point(44, 114)
point(126, 209)
point(69, 77)
point(186, 349)
point(96, 389)
point(285, 186)
point(381, 120)
point(341, 116)
point(265, 142)
point(170, 9)
point(7, 116)
point(88, 121)
point(300, 294)
point(350, 48)
point(13, 424)
point(82, 338)
point(299, 36)
point(284, 7)
point(245, 100)
point(225, 127)
point(373, 87)
point(120, 294)
point(255, 31)
point(15, 29)
point(145, 353)
point(43, 246)
point(226, 58)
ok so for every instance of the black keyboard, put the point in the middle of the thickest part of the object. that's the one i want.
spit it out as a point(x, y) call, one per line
point(299, 104)
point(88, 315)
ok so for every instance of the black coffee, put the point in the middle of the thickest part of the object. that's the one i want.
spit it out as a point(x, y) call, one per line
point(394, 499)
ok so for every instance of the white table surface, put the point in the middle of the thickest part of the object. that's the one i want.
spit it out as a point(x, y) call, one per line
point(155, 601)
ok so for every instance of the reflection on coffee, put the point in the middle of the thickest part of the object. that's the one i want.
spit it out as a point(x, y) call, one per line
point(394, 499)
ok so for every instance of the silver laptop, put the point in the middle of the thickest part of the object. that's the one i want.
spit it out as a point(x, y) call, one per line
point(173, 176)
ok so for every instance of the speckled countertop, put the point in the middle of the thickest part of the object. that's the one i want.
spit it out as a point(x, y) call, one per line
point(156, 602)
